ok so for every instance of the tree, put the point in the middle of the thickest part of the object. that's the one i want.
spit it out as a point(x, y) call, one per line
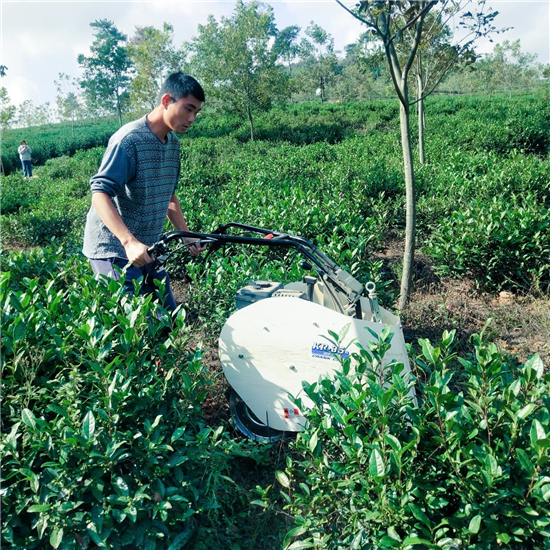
point(107, 70)
point(154, 56)
point(30, 114)
point(68, 102)
point(512, 68)
point(236, 62)
point(319, 57)
point(286, 45)
point(439, 52)
point(7, 110)
point(362, 76)
point(390, 22)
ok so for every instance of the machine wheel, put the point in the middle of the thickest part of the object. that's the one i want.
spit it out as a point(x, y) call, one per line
point(248, 423)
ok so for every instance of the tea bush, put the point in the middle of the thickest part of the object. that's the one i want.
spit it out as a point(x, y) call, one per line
point(103, 441)
point(465, 467)
point(52, 206)
point(503, 241)
point(54, 140)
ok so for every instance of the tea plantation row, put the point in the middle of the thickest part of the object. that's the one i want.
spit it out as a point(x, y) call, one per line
point(104, 441)
point(483, 196)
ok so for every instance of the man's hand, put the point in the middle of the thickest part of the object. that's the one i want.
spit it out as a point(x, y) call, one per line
point(136, 252)
point(195, 247)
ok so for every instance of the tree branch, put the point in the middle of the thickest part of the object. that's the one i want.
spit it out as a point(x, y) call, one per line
point(416, 42)
point(421, 13)
point(371, 25)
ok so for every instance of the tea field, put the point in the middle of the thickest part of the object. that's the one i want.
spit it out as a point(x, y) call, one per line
point(108, 440)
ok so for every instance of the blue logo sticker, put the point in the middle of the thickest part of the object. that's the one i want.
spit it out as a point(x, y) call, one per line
point(328, 351)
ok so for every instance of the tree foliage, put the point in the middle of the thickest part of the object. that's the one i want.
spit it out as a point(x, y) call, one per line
point(68, 101)
point(400, 27)
point(236, 61)
point(154, 56)
point(319, 56)
point(7, 110)
point(107, 70)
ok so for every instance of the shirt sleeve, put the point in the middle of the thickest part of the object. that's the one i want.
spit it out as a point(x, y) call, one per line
point(116, 170)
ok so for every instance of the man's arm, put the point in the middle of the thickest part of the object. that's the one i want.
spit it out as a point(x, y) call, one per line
point(175, 215)
point(136, 251)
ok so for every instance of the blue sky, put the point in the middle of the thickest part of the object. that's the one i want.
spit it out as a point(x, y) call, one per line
point(40, 39)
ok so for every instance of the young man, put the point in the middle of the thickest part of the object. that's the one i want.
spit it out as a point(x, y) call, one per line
point(134, 189)
point(25, 155)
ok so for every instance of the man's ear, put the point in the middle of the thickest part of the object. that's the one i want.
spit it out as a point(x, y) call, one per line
point(165, 100)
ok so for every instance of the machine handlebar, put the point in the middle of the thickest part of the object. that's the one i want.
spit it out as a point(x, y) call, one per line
point(266, 237)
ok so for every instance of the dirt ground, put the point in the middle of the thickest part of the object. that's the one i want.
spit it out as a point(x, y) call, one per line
point(519, 324)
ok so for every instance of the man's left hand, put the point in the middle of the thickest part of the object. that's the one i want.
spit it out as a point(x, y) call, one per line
point(196, 248)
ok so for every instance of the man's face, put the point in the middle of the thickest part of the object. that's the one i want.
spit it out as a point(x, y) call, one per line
point(182, 113)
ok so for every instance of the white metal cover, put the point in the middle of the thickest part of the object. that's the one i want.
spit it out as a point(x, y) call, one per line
point(268, 348)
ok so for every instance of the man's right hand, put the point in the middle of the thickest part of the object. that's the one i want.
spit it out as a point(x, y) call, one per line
point(137, 255)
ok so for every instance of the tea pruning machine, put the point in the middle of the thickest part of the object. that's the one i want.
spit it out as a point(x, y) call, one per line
point(277, 337)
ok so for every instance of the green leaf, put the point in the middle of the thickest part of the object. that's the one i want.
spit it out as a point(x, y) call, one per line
point(419, 514)
point(429, 352)
point(392, 441)
point(121, 487)
point(56, 537)
point(343, 333)
point(282, 478)
point(475, 524)
point(299, 544)
point(181, 539)
point(178, 432)
point(376, 464)
point(525, 461)
point(28, 418)
point(545, 492)
point(88, 426)
point(526, 411)
point(537, 432)
point(535, 362)
point(339, 413)
point(38, 508)
point(19, 330)
point(394, 534)
point(313, 441)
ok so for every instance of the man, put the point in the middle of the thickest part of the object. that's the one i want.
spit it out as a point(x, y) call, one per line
point(134, 189)
point(25, 155)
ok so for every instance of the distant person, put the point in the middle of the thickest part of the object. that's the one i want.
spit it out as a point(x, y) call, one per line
point(25, 155)
point(134, 190)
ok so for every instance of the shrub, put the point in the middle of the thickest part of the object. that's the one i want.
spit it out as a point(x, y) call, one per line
point(466, 467)
point(103, 440)
point(502, 242)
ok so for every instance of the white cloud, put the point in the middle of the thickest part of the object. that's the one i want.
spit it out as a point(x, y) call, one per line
point(21, 88)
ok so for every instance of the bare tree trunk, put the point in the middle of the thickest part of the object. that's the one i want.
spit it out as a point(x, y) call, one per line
point(119, 109)
point(250, 121)
point(410, 216)
point(420, 122)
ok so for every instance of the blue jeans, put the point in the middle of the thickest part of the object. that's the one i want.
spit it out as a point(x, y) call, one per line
point(107, 267)
point(27, 168)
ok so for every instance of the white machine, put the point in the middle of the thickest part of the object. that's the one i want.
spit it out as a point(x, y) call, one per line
point(277, 338)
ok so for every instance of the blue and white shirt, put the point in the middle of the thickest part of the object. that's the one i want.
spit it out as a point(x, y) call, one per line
point(140, 174)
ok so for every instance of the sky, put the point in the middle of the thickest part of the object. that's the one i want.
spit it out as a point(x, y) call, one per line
point(40, 39)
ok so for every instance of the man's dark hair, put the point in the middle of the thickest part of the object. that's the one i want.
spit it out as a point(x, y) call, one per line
point(180, 85)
